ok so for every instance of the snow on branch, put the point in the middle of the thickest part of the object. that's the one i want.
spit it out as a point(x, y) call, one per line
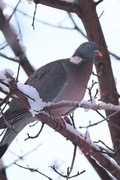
point(36, 104)
point(32, 95)
point(9, 84)
point(86, 105)
point(83, 141)
point(5, 78)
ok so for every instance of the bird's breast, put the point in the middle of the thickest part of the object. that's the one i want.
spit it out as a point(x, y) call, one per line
point(73, 90)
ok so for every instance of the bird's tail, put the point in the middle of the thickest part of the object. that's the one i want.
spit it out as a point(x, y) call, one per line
point(13, 123)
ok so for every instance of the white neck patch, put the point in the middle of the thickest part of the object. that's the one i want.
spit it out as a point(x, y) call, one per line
point(76, 60)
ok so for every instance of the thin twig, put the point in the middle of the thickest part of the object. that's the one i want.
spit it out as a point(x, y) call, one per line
point(9, 58)
point(114, 55)
point(18, 71)
point(76, 27)
point(33, 25)
point(69, 169)
point(33, 170)
point(14, 10)
point(98, 2)
point(33, 137)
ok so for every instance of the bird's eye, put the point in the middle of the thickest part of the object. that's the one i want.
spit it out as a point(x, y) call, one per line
point(88, 47)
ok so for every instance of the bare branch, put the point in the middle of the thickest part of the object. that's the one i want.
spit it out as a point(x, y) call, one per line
point(14, 10)
point(72, 163)
point(10, 58)
point(33, 170)
point(66, 176)
point(34, 16)
point(108, 150)
point(21, 157)
point(114, 55)
point(98, 2)
point(32, 137)
point(76, 27)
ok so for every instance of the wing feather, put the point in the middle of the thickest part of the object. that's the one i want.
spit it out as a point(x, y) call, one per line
point(49, 80)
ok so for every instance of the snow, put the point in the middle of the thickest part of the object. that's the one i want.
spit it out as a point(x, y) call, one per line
point(30, 1)
point(4, 78)
point(74, 131)
point(69, 1)
point(87, 136)
point(34, 100)
point(83, 136)
point(3, 75)
point(90, 103)
point(4, 88)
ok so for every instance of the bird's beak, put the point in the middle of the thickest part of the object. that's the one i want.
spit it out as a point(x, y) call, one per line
point(99, 53)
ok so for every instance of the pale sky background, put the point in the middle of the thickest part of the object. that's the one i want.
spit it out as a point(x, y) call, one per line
point(45, 44)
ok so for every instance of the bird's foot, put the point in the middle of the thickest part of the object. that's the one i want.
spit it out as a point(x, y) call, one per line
point(67, 120)
point(62, 122)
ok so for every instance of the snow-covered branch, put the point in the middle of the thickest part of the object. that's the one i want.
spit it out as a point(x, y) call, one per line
point(8, 84)
point(86, 105)
point(81, 140)
point(35, 102)
point(84, 143)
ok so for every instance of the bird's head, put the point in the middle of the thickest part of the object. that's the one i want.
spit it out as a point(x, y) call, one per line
point(88, 51)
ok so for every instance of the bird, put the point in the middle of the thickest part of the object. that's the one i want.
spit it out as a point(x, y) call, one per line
point(64, 79)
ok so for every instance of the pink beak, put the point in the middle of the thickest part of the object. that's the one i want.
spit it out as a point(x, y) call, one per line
point(99, 53)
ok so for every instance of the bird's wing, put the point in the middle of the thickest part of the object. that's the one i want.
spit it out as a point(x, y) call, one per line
point(49, 80)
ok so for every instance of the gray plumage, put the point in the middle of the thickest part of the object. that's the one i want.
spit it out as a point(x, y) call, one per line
point(64, 79)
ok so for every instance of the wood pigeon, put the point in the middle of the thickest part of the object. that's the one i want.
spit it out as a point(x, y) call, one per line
point(64, 79)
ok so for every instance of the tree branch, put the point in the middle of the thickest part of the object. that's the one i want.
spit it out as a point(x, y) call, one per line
point(104, 175)
point(84, 104)
point(71, 134)
point(14, 42)
point(69, 6)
